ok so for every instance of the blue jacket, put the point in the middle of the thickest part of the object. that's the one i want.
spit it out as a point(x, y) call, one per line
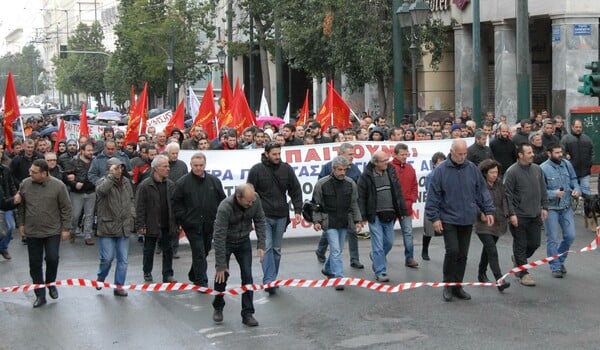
point(455, 193)
point(99, 169)
point(353, 172)
point(557, 176)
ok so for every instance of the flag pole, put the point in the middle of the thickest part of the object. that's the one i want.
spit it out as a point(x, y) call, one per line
point(22, 126)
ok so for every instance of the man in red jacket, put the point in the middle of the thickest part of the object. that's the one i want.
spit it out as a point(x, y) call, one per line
point(408, 182)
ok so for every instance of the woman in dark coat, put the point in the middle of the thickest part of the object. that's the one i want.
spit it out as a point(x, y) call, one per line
point(490, 169)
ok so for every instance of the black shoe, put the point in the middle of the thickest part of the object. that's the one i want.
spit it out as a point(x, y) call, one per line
point(271, 290)
point(169, 279)
point(148, 277)
point(339, 288)
point(460, 293)
point(503, 286)
point(141, 239)
point(39, 301)
point(218, 316)
point(563, 269)
point(447, 294)
point(557, 274)
point(326, 274)
point(120, 292)
point(320, 257)
point(99, 279)
point(53, 292)
point(250, 321)
point(482, 277)
point(357, 265)
point(425, 256)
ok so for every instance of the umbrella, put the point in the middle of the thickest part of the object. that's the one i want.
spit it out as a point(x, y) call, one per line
point(109, 114)
point(273, 120)
point(49, 130)
point(437, 115)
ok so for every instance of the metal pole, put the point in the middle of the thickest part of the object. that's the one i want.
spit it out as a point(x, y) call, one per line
point(413, 70)
point(172, 72)
point(229, 40)
point(278, 69)
point(476, 64)
point(251, 65)
point(398, 65)
point(523, 59)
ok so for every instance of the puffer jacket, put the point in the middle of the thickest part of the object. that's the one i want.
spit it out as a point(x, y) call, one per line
point(114, 207)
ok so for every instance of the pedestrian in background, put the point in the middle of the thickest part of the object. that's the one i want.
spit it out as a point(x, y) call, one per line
point(428, 231)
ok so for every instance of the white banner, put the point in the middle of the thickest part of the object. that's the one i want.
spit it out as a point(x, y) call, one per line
point(232, 168)
point(72, 128)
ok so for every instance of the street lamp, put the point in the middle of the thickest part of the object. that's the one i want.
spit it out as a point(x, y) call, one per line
point(170, 91)
point(221, 57)
point(412, 15)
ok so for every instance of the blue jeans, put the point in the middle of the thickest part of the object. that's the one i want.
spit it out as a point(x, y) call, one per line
point(584, 184)
point(86, 203)
point(352, 244)
point(274, 236)
point(563, 219)
point(334, 264)
point(407, 237)
point(382, 240)
point(109, 246)
point(7, 218)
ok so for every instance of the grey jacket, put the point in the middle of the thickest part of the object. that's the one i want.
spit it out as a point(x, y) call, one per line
point(45, 208)
point(525, 190)
point(234, 224)
point(324, 189)
point(114, 207)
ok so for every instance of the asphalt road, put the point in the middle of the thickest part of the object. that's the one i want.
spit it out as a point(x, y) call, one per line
point(556, 314)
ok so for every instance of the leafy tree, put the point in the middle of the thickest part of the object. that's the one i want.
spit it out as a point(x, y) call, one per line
point(148, 32)
point(28, 71)
point(83, 72)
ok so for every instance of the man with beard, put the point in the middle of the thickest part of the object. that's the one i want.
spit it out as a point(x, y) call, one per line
point(272, 180)
point(522, 136)
point(503, 148)
point(65, 158)
point(479, 151)
point(527, 206)
point(82, 192)
point(288, 131)
point(561, 184)
point(259, 140)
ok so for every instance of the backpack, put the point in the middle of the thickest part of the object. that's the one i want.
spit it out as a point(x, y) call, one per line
point(308, 210)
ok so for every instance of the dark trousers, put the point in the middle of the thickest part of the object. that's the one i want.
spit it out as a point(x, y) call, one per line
point(489, 255)
point(526, 240)
point(167, 253)
point(243, 254)
point(456, 240)
point(37, 247)
point(200, 244)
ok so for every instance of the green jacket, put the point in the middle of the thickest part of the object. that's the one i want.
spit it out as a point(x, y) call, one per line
point(114, 207)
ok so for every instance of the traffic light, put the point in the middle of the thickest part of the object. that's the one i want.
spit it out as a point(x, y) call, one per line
point(63, 51)
point(591, 82)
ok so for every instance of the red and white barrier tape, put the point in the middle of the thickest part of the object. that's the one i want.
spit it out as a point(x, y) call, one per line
point(298, 283)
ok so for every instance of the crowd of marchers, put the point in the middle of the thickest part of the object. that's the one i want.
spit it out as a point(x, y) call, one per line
point(108, 193)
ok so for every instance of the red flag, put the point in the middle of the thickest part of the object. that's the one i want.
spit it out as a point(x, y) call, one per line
point(206, 113)
point(334, 111)
point(132, 101)
point(304, 114)
point(177, 118)
point(137, 117)
point(243, 116)
point(11, 111)
point(84, 129)
point(224, 116)
point(62, 135)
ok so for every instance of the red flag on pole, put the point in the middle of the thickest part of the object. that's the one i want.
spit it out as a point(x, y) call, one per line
point(62, 135)
point(137, 117)
point(224, 116)
point(242, 114)
point(132, 101)
point(207, 114)
point(334, 111)
point(84, 129)
point(11, 111)
point(177, 118)
point(304, 113)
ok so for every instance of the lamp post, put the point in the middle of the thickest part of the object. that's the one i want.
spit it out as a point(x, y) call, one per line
point(221, 57)
point(411, 16)
point(170, 91)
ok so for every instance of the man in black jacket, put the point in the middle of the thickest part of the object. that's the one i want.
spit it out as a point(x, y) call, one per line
point(381, 202)
point(8, 201)
point(19, 167)
point(503, 148)
point(195, 201)
point(579, 150)
point(272, 179)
